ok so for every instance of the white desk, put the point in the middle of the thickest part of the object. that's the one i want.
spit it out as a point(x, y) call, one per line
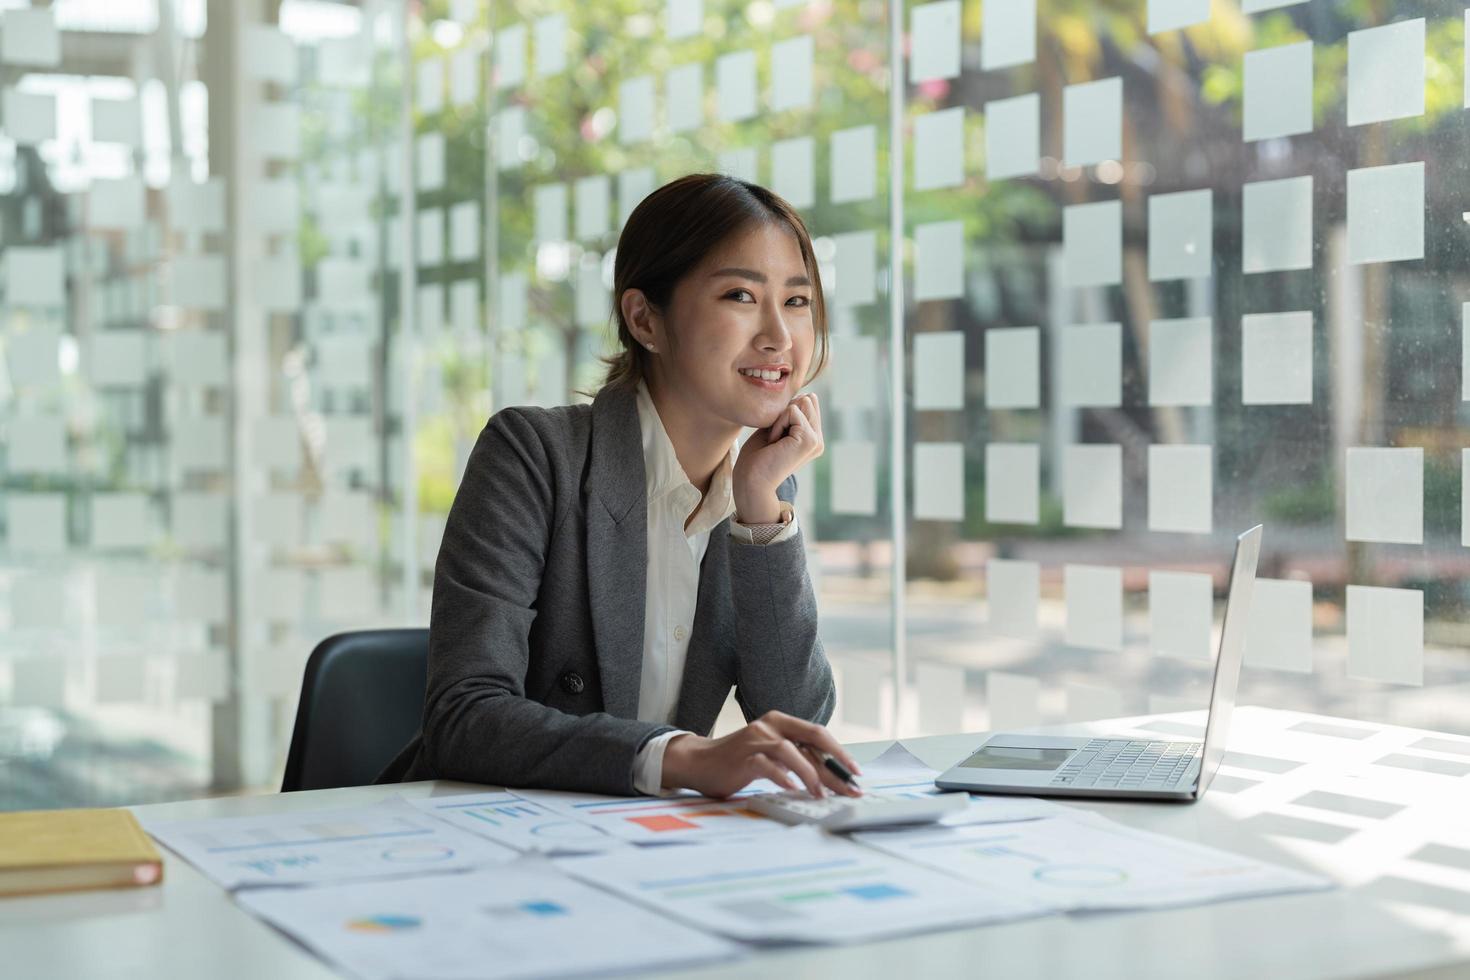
point(1394, 915)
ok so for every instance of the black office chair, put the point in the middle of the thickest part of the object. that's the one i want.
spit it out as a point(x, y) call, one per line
point(361, 701)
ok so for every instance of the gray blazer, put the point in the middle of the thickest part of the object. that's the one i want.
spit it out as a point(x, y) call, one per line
point(536, 628)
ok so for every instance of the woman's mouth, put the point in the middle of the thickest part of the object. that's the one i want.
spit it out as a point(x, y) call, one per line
point(770, 380)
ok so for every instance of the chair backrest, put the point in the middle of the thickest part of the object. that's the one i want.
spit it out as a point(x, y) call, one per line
point(362, 699)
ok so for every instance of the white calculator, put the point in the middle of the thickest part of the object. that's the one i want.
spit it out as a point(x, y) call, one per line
point(839, 813)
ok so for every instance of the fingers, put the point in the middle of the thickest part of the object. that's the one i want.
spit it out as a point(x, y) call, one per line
point(830, 779)
point(763, 765)
point(817, 736)
point(787, 754)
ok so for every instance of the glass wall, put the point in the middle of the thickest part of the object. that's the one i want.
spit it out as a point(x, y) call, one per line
point(1109, 282)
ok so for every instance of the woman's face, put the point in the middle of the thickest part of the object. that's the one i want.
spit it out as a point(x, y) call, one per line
point(747, 306)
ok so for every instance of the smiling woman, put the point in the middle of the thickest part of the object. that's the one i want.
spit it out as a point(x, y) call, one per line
point(609, 572)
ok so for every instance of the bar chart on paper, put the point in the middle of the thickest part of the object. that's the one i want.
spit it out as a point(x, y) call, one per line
point(385, 839)
point(799, 886)
point(523, 824)
point(646, 819)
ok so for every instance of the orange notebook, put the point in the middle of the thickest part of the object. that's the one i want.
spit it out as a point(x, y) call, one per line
point(71, 850)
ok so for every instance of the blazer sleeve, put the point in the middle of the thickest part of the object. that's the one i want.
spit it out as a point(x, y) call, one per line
point(479, 725)
point(780, 662)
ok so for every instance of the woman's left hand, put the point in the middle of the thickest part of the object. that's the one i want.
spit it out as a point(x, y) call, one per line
point(772, 454)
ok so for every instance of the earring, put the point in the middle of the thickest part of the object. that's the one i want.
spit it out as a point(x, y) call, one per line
point(652, 348)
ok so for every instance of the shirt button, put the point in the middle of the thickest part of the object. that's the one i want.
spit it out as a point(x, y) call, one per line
point(680, 633)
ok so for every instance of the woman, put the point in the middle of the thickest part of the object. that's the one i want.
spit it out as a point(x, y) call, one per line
point(609, 572)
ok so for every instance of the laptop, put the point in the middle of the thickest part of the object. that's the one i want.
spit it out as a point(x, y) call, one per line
point(1129, 768)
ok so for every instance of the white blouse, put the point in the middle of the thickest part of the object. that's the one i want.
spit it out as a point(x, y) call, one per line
point(675, 554)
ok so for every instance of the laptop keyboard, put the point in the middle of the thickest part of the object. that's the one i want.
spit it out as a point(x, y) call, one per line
point(1118, 763)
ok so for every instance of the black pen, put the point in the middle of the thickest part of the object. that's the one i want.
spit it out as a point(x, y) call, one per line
point(833, 766)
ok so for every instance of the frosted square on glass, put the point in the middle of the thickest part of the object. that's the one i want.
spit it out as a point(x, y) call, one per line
point(1276, 358)
point(934, 31)
point(635, 109)
point(854, 173)
point(550, 205)
point(683, 18)
point(464, 306)
point(510, 56)
point(1465, 497)
point(118, 358)
point(1092, 486)
point(1094, 606)
point(511, 301)
point(1013, 137)
point(1385, 213)
point(551, 45)
point(1385, 495)
point(736, 85)
point(854, 482)
point(854, 371)
point(124, 594)
point(941, 691)
point(1278, 91)
point(939, 481)
point(791, 73)
point(117, 121)
point(430, 237)
point(121, 679)
point(1181, 235)
point(939, 370)
point(1276, 225)
point(1014, 592)
point(1279, 633)
point(33, 356)
point(1092, 244)
point(199, 443)
point(1007, 33)
point(199, 520)
point(593, 206)
point(594, 303)
point(30, 117)
point(1385, 633)
point(29, 37)
point(1181, 488)
point(1092, 122)
point(1170, 15)
point(464, 77)
point(1012, 367)
point(862, 683)
point(684, 97)
point(35, 275)
point(633, 186)
point(1465, 352)
point(854, 264)
point(939, 260)
point(1012, 483)
point(510, 129)
point(939, 149)
point(429, 89)
point(1086, 702)
point(1181, 362)
point(1091, 365)
point(36, 523)
point(793, 171)
point(37, 445)
point(430, 317)
point(121, 521)
point(1385, 72)
point(742, 163)
point(429, 165)
point(464, 231)
point(1180, 610)
point(1013, 701)
point(39, 682)
point(115, 203)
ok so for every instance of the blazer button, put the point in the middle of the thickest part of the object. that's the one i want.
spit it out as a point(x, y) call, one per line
point(572, 682)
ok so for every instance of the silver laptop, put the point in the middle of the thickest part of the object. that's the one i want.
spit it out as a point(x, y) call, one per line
point(1055, 765)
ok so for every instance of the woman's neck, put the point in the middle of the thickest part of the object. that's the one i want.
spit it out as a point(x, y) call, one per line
point(701, 441)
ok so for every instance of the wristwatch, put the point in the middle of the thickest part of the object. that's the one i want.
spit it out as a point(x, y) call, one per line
point(765, 533)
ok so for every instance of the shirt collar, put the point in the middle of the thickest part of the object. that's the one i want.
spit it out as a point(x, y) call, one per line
point(663, 474)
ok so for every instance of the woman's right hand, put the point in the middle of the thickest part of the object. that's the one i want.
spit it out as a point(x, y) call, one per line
point(769, 747)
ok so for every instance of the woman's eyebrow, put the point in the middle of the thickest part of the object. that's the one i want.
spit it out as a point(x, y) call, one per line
point(759, 277)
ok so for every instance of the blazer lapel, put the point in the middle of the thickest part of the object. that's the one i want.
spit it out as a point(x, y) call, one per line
point(617, 547)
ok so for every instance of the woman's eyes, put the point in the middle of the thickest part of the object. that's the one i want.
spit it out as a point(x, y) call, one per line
point(736, 294)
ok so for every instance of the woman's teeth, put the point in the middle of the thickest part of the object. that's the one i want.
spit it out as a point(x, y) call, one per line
point(763, 375)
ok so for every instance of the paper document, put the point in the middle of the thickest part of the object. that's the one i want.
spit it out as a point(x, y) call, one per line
point(797, 886)
point(523, 824)
point(518, 920)
point(1089, 863)
point(658, 820)
point(388, 839)
point(898, 772)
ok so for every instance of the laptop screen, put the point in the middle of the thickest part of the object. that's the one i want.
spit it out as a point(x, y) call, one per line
point(1232, 651)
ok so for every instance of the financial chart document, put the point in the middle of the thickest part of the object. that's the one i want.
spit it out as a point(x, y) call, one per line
point(524, 824)
point(1090, 863)
point(517, 920)
point(800, 885)
point(388, 839)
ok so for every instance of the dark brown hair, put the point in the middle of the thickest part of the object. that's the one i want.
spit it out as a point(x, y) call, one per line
point(672, 230)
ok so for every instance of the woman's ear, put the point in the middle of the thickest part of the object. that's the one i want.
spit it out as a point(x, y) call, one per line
point(638, 314)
